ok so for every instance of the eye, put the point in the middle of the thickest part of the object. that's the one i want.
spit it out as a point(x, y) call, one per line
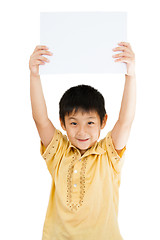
point(73, 123)
point(90, 123)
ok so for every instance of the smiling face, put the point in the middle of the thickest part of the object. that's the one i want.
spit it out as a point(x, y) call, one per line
point(83, 128)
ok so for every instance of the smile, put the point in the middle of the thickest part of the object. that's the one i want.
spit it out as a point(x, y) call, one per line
point(83, 140)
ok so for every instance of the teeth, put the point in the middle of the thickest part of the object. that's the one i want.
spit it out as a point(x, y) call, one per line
point(83, 139)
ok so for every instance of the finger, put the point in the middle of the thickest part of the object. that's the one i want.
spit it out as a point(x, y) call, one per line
point(37, 55)
point(40, 47)
point(126, 44)
point(44, 52)
point(36, 61)
point(39, 62)
point(43, 59)
point(125, 60)
point(124, 49)
point(123, 54)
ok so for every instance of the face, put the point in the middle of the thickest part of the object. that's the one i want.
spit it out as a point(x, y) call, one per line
point(83, 128)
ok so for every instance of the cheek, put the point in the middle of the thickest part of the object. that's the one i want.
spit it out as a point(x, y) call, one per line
point(70, 132)
point(96, 132)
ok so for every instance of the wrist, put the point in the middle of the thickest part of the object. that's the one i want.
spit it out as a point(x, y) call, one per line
point(34, 76)
point(133, 75)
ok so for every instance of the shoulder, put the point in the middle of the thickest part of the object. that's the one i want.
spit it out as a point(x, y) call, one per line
point(55, 151)
point(115, 158)
point(59, 141)
point(107, 144)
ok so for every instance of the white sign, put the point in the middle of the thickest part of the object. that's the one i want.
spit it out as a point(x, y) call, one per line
point(82, 42)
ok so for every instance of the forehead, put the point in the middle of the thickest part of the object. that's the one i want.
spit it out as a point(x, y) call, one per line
point(83, 113)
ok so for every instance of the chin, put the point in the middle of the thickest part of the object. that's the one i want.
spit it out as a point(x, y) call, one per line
point(84, 148)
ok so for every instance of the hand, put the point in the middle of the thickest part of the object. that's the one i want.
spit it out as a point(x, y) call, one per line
point(127, 56)
point(37, 59)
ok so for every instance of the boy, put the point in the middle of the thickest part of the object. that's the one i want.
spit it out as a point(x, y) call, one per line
point(83, 202)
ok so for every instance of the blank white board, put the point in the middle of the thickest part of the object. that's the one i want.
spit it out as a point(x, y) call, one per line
point(82, 42)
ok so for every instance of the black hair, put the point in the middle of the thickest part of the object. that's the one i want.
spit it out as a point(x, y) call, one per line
point(82, 97)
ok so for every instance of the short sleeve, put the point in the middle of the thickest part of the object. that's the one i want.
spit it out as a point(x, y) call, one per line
point(54, 151)
point(116, 159)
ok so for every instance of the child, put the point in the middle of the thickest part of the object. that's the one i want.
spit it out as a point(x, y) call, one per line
point(83, 203)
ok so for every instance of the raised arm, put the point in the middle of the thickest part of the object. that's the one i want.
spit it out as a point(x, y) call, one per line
point(121, 130)
point(39, 110)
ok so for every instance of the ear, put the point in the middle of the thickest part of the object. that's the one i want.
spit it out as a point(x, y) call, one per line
point(62, 124)
point(104, 121)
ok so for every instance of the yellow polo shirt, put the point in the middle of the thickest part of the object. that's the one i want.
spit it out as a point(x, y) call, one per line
point(83, 203)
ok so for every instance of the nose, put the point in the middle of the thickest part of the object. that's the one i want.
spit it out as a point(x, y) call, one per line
point(81, 131)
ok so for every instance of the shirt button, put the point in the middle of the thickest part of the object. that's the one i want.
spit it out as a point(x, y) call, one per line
point(75, 185)
point(75, 171)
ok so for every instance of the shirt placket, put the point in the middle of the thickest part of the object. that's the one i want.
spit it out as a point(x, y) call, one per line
point(76, 182)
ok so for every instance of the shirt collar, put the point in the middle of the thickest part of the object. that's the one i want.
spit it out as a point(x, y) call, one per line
point(95, 149)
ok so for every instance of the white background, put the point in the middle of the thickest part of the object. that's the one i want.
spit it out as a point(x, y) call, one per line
point(24, 179)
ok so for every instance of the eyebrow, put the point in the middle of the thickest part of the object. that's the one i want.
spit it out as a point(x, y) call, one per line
point(71, 118)
point(74, 118)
